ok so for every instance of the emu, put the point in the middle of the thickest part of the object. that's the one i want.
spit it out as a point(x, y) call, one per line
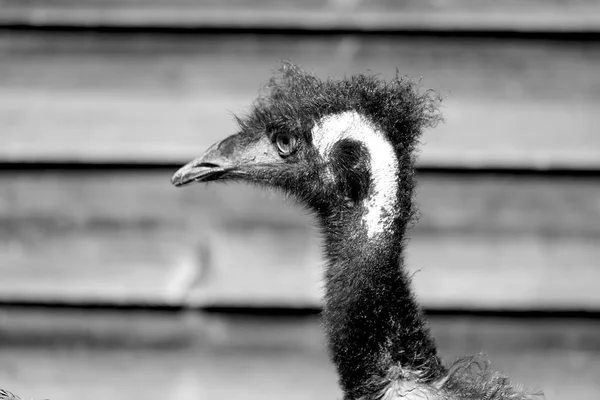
point(345, 148)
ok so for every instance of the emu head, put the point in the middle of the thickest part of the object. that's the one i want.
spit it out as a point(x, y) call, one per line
point(341, 147)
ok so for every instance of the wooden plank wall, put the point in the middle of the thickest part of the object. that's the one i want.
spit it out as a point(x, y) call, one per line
point(374, 15)
point(101, 100)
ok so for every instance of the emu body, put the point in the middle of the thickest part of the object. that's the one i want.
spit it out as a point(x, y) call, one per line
point(345, 149)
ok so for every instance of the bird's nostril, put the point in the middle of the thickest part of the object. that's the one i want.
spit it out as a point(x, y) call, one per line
point(208, 165)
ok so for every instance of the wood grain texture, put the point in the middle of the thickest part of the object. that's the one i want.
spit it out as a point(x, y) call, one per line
point(163, 98)
point(430, 15)
point(130, 237)
point(46, 354)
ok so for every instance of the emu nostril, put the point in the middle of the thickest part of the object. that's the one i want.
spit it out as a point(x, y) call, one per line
point(207, 165)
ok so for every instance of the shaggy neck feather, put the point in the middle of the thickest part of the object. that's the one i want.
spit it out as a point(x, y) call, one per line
point(372, 320)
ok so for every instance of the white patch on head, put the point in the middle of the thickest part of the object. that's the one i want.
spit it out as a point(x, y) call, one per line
point(384, 165)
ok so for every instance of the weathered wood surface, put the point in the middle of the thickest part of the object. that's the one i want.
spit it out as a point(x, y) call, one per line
point(47, 355)
point(487, 242)
point(163, 98)
point(454, 15)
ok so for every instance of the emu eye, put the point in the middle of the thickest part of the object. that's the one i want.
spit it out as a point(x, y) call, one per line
point(286, 143)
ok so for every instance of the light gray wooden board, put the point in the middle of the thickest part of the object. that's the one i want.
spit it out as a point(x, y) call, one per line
point(46, 354)
point(129, 237)
point(161, 98)
point(456, 15)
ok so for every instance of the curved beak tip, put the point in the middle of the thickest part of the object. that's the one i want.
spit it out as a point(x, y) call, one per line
point(186, 174)
point(177, 179)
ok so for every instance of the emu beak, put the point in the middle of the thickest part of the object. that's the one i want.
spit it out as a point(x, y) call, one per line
point(234, 157)
point(209, 166)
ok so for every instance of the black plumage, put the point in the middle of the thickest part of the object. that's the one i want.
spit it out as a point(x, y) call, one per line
point(6, 395)
point(376, 331)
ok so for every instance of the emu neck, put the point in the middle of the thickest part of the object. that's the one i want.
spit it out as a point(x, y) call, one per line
point(372, 320)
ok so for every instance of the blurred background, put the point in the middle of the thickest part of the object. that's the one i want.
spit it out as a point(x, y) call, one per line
point(114, 284)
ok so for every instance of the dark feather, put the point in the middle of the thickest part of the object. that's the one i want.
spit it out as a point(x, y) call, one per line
point(6, 395)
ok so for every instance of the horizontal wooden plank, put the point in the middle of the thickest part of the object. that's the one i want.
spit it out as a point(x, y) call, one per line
point(127, 237)
point(163, 98)
point(455, 15)
point(47, 354)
